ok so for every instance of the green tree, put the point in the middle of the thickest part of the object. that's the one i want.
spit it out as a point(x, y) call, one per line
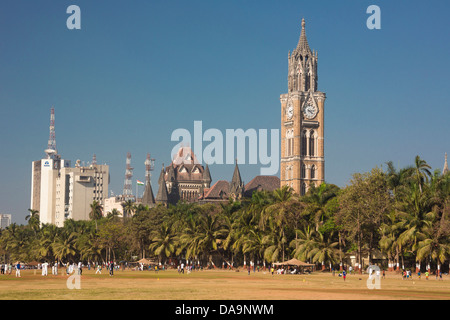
point(422, 172)
point(33, 220)
point(64, 246)
point(96, 212)
point(164, 242)
point(363, 204)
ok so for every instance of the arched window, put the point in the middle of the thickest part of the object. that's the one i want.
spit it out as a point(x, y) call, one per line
point(303, 143)
point(313, 172)
point(289, 142)
point(303, 173)
point(289, 173)
point(303, 189)
point(312, 139)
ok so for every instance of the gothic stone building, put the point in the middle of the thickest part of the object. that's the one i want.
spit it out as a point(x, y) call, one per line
point(302, 121)
point(186, 180)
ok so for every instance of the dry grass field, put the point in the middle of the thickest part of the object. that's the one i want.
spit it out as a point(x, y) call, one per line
point(218, 285)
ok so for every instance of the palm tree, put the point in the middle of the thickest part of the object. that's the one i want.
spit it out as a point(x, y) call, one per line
point(276, 216)
point(49, 234)
point(89, 249)
point(304, 244)
point(17, 242)
point(163, 241)
point(316, 200)
point(96, 212)
point(204, 237)
point(253, 244)
point(389, 243)
point(114, 213)
point(128, 208)
point(64, 246)
point(421, 172)
point(241, 226)
point(436, 246)
point(33, 220)
point(324, 250)
point(416, 219)
point(274, 242)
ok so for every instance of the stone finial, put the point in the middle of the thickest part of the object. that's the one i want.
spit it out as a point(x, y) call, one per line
point(445, 170)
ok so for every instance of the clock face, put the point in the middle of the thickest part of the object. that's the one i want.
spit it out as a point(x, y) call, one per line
point(310, 111)
point(290, 110)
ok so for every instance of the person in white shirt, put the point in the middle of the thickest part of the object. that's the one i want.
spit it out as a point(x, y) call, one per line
point(45, 269)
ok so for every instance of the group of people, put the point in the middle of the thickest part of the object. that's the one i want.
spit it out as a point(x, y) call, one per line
point(6, 268)
point(70, 268)
point(407, 274)
point(188, 267)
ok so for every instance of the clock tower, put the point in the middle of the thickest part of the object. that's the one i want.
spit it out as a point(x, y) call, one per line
point(302, 121)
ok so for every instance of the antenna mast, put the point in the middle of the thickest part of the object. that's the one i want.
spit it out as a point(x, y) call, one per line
point(149, 166)
point(127, 188)
point(51, 147)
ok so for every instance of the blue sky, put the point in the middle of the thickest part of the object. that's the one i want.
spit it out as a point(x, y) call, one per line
point(138, 70)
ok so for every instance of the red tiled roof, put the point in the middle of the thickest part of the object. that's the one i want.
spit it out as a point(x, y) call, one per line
point(259, 183)
point(218, 191)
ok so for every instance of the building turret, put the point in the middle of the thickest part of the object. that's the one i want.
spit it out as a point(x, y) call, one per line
point(236, 185)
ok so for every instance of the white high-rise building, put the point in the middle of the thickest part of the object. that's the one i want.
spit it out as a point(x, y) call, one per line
point(5, 220)
point(60, 192)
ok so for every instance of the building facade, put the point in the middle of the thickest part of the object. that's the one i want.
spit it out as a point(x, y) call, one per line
point(77, 188)
point(184, 179)
point(60, 192)
point(302, 121)
point(5, 220)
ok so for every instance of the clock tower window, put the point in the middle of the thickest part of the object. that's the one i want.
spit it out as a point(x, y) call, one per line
point(304, 142)
point(311, 143)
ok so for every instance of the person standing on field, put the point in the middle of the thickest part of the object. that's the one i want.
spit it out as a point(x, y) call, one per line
point(45, 269)
point(18, 269)
point(111, 268)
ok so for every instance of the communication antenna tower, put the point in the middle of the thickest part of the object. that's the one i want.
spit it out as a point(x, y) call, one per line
point(51, 147)
point(149, 167)
point(127, 188)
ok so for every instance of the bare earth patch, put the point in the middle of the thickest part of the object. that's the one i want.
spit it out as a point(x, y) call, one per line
point(218, 285)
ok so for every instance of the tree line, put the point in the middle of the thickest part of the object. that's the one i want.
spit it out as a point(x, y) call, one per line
point(401, 214)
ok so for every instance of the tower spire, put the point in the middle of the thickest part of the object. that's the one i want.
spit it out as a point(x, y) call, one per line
point(236, 185)
point(445, 170)
point(148, 197)
point(302, 75)
point(162, 195)
point(303, 45)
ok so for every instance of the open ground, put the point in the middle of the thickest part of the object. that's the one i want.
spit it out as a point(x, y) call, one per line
point(218, 285)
